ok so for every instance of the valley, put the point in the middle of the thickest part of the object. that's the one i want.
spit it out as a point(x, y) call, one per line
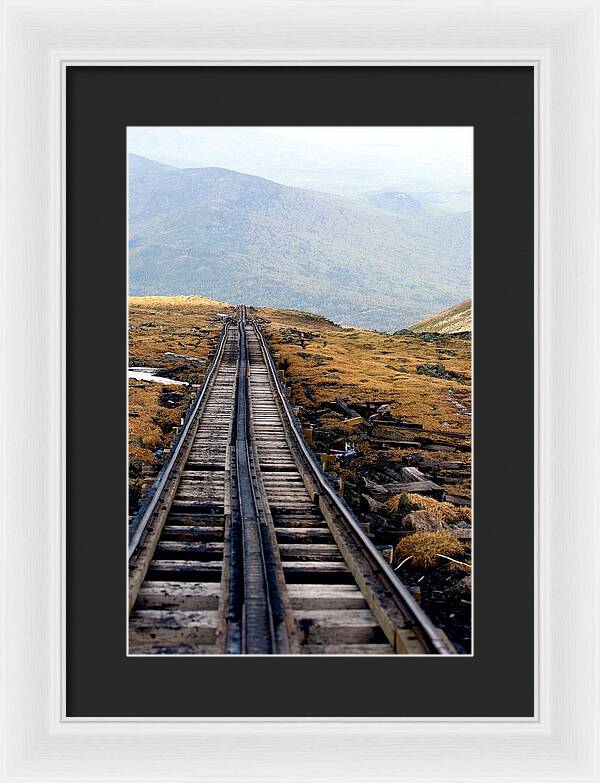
point(381, 262)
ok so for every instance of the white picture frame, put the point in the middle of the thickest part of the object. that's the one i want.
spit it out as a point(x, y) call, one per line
point(559, 38)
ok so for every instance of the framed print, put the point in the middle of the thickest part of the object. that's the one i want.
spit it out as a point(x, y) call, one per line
point(246, 562)
point(336, 516)
point(298, 390)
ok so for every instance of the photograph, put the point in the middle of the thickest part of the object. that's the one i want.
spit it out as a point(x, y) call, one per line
point(298, 312)
point(299, 384)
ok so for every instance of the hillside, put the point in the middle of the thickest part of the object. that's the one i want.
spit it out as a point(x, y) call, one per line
point(455, 319)
point(236, 237)
point(328, 368)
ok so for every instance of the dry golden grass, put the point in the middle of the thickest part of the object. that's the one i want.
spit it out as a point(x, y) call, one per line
point(444, 511)
point(180, 324)
point(150, 423)
point(424, 549)
point(360, 365)
point(330, 361)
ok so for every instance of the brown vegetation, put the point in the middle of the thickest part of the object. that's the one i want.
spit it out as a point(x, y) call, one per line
point(357, 364)
point(424, 549)
point(158, 324)
point(324, 361)
point(150, 423)
point(446, 511)
point(180, 324)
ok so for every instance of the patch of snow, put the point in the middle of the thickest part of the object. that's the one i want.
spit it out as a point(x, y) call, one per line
point(148, 376)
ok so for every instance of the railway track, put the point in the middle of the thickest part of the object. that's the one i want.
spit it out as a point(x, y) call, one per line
point(244, 548)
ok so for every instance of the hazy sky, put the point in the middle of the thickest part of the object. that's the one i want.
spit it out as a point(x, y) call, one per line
point(347, 160)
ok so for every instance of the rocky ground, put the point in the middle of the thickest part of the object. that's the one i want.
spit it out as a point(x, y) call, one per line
point(389, 416)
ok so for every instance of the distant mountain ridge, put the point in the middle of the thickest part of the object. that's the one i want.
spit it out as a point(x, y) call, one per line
point(237, 237)
point(454, 319)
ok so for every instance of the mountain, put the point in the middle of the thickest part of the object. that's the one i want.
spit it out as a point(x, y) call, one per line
point(347, 161)
point(139, 166)
point(455, 319)
point(241, 238)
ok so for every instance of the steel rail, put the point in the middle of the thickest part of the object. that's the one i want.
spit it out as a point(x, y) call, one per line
point(262, 627)
point(138, 528)
point(407, 604)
